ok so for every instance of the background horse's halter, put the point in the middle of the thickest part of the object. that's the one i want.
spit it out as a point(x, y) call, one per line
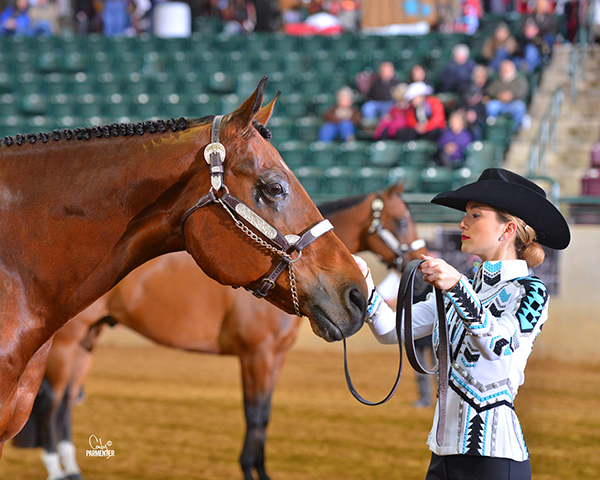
point(390, 240)
point(405, 302)
point(275, 241)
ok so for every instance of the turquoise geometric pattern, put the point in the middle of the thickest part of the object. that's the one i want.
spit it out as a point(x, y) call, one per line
point(532, 304)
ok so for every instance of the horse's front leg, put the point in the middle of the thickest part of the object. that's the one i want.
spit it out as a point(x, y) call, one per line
point(260, 371)
point(27, 390)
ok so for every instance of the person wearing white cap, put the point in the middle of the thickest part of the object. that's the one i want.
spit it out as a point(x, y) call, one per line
point(426, 117)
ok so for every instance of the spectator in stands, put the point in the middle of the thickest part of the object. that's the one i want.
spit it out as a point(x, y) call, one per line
point(397, 118)
point(454, 141)
point(474, 102)
point(456, 74)
point(115, 17)
point(545, 19)
point(532, 48)
point(341, 119)
point(88, 18)
point(507, 94)
point(379, 98)
point(15, 19)
point(499, 46)
point(426, 116)
point(43, 15)
point(418, 74)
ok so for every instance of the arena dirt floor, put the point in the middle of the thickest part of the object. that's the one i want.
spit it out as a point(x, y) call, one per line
point(173, 415)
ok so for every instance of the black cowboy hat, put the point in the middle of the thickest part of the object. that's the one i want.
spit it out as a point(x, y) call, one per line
point(505, 190)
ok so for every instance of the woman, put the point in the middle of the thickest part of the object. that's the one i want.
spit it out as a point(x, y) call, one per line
point(493, 322)
point(426, 117)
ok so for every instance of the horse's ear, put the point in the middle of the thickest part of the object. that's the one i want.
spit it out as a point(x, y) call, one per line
point(266, 112)
point(396, 188)
point(242, 118)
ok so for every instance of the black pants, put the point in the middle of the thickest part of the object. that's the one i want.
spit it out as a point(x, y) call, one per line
point(470, 467)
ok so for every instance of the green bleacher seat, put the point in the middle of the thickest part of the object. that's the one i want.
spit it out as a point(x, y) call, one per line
point(371, 179)
point(221, 83)
point(29, 83)
point(8, 105)
point(202, 104)
point(339, 182)
point(321, 154)
point(61, 105)
point(281, 129)
point(33, 104)
point(353, 154)
point(499, 130)
point(73, 62)
point(7, 82)
point(229, 103)
point(307, 128)
point(293, 153)
point(108, 84)
point(89, 105)
point(54, 83)
point(294, 63)
point(385, 153)
point(80, 84)
point(173, 106)
point(48, 62)
point(483, 154)
point(319, 104)
point(437, 179)
point(70, 121)
point(164, 84)
point(12, 124)
point(292, 105)
point(116, 106)
point(144, 107)
point(463, 176)
point(311, 179)
point(418, 153)
point(407, 175)
point(246, 83)
point(38, 123)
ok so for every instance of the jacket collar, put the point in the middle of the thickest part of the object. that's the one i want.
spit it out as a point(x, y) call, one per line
point(489, 274)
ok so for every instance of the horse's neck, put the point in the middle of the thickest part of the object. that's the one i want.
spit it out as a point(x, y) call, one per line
point(351, 224)
point(100, 209)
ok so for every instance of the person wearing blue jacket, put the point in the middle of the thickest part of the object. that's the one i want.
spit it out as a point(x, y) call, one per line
point(15, 20)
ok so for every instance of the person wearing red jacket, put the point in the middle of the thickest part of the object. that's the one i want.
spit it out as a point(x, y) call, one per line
point(426, 118)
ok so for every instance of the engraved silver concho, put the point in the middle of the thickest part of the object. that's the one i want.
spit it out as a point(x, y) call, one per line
point(214, 147)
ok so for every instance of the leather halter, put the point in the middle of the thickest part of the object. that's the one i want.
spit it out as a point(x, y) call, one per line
point(272, 239)
point(405, 302)
point(389, 239)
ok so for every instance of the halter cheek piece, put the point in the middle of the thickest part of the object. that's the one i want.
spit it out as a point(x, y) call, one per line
point(274, 240)
point(389, 239)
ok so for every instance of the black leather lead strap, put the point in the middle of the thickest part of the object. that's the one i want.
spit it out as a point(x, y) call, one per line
point(405, 301)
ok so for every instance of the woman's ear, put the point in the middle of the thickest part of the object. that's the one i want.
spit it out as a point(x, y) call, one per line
point(510, 228)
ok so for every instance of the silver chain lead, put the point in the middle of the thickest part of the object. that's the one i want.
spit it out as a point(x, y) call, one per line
point(271, 248)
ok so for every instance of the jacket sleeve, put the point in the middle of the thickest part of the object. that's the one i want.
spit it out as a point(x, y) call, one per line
point(499, 333)
point(382, 319)
point(438, 115)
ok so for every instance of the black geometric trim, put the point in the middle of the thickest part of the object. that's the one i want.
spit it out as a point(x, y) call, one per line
point(479, 408)
point(471, 357)
point(495, 311)
point(500, 344)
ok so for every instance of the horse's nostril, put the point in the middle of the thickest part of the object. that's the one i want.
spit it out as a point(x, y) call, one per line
point(357, 300)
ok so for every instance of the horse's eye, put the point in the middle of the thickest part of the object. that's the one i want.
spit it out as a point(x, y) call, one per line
point(274, 189)
point(403, 223)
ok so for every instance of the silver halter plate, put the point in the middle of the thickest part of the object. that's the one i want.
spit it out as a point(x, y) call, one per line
point(274, 241)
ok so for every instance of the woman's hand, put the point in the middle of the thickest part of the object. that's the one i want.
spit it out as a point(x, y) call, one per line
point(438, 273)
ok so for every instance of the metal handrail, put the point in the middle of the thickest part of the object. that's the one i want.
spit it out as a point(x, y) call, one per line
point(546, 136)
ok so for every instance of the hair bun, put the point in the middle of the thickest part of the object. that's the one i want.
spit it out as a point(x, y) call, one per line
point(533, 254)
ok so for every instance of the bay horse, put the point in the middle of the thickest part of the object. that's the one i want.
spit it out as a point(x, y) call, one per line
point(82, 208)
point(172, 303)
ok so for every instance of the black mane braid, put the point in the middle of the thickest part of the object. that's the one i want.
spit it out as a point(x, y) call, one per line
point(98, 131)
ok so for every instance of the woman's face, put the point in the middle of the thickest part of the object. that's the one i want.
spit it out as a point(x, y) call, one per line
point(481, 232)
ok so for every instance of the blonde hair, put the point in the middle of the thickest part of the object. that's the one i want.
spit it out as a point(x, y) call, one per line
point(526, 245)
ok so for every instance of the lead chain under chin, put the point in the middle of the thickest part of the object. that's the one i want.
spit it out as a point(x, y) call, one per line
point(271, 248)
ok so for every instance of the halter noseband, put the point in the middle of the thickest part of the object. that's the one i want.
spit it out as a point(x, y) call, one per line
point(274, 241)
point(390, 240)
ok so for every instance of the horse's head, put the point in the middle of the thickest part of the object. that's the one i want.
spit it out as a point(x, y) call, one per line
point(257, 221)
point(392, 234)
